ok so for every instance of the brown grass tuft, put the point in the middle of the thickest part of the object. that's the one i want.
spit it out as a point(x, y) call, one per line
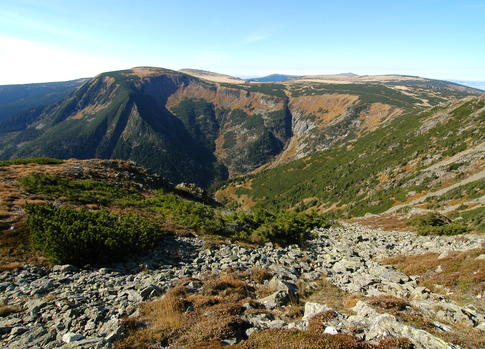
point(461, 273)
point(395, 343)
point(294, 339)
point(318, 322)
point(324, 292)
point(6, 310)
point(259, 275)
point(387, 302)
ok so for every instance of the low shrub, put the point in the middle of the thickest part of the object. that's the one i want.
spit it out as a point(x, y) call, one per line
point(256, 226)
point(283, 228)
point(433, 219)
point(437, 224)
point(67, 235)
point(41, 161)
point(186, 213)
point(83, 191)
point(288, 228)
point(449, 229)
point(387, 302)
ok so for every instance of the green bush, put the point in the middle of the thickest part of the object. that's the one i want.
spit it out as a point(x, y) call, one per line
point(288, 228)
point(42, 161)
point(474, 218)
point(67, 235)
point(432, 219)
point(83, 191)
point(257, 226)
point(282, 228)
point(188, 214)
point(434, 223)
point(448, 229)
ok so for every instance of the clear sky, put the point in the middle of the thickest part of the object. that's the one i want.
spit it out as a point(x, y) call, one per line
point(52, 40)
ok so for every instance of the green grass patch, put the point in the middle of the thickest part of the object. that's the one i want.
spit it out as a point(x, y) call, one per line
point(25, 161)
point(83, 191)
point(448, 229)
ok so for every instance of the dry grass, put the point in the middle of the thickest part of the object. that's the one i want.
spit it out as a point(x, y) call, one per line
point(259, 275)
point(6, 310)
point(294, 339)
point(324, 292)
point(264, 291)
point(318, 322)
point(387, 302)
point(350, 300)
point(384, 222)
point(461, 273)
point(201, 319)
point(14, 248)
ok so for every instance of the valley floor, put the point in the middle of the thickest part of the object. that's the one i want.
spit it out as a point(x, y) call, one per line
point(48, 307)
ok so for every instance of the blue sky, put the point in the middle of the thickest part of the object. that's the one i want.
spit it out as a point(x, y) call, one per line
point(49, 40)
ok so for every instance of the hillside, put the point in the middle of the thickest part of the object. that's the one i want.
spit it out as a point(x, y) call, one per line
point(211, 76)
point(431, 160)
point(17, 98)
point(195, 130)
point(151, 264)
point(273, 78)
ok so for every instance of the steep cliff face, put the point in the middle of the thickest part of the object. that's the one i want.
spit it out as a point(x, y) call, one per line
point(244, 129)
point(191, 129)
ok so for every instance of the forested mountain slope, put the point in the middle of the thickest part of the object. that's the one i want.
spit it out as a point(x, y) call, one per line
point(417, 155)
point(190, 129)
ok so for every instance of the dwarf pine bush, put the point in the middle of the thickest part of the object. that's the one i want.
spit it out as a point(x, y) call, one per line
point(67, 235)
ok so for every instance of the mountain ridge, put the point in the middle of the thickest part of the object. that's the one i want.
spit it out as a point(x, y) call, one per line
point(214, 130)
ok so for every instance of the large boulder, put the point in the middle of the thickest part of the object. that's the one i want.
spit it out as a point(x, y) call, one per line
point(277, 299)
point(277, 284)
point(312, 309)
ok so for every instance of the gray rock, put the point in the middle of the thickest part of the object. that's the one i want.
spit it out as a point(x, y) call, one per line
point(71, 337)
point(279, 298)
point(34, 307)
point(276, 324)
point(330, 330)
point(277, 284)
point(18, 330)
point(150, 292)
point(312, 309)
point(66, 268)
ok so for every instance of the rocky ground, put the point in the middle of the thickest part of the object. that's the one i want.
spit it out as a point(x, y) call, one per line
point(83, 308)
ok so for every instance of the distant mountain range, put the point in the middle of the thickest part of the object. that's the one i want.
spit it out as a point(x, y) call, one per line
point(273, 78)
point(204, 127)
point(472, 83)
point(17, 98)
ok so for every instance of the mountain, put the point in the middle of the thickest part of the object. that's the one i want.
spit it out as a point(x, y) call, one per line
point(18, 98)
point(273, 78)
point(429, 160)
point(472, 83)
point(148, 263)
point(195, 130)
point(211, 76)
